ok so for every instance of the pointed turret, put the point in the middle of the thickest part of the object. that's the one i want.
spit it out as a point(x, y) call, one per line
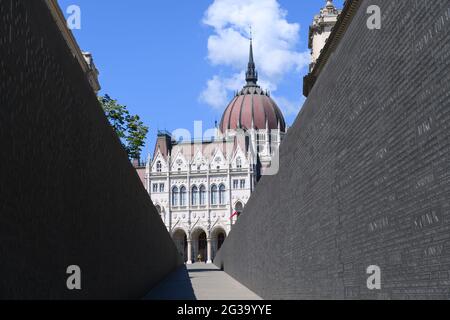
point(330, 4)
point(252, 108)
point(252, 74)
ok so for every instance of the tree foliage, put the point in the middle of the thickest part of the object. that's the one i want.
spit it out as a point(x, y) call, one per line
point(130, 128)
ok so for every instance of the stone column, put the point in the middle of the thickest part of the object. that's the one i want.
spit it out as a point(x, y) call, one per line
point(209, 251)
point(230, 195)
point(168, 190)
point(208, 193)
point(189, 251)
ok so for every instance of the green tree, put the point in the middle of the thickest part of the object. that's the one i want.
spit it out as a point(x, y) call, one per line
point(130, 129)
point(137, 132)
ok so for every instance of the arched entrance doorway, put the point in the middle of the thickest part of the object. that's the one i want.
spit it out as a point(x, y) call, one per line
point(220, 240)
point(180, 239)
point(200, 246)
point(217, 239)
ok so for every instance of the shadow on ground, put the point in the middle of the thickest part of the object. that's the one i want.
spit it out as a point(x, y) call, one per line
point(204, 270)
point(177, 286)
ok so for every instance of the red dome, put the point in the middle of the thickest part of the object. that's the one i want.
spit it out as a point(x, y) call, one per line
point(252, 106)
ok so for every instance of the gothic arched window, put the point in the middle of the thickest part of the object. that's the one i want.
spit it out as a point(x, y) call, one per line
point(214, 195)
point(183, 196)
point(175, 196)
point(159, 166)
point(202, 195)
point(260, 141)
point(194, 195)
point(239, 163)
point(222, 194)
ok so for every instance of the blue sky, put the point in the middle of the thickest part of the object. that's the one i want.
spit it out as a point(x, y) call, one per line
point(174, 62)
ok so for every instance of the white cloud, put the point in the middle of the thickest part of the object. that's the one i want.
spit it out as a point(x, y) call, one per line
point(217, 90)
point(274, 45)
point(289, 108)
point(215, 93)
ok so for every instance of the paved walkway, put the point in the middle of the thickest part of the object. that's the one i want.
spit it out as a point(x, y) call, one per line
point(200, 282)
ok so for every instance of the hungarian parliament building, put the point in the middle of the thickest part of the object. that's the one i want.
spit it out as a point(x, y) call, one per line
point(200, 188)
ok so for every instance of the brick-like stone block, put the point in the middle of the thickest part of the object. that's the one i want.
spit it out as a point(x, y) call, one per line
point(365, 171)
point(68, 194)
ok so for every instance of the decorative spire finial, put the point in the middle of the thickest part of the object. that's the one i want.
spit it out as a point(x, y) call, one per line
point(251, 75)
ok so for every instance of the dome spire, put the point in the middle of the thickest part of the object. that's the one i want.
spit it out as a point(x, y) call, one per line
point(252, 74)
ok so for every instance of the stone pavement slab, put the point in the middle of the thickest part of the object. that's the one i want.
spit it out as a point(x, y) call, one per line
point(201, 281)
point(210, 283)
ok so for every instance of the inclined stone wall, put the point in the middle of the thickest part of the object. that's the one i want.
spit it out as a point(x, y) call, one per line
point(365, 171)
point(68, 194)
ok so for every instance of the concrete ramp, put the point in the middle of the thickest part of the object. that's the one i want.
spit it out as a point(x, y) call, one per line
point(202, 282)
point(68, 194)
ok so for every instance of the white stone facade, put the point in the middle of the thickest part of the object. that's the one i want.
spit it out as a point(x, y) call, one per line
point(200, 188)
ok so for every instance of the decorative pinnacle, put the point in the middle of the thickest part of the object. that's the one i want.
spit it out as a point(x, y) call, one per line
point(252, 74)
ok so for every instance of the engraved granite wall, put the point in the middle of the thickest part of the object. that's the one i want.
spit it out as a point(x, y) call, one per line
point(68, 194)
point(365, 171)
